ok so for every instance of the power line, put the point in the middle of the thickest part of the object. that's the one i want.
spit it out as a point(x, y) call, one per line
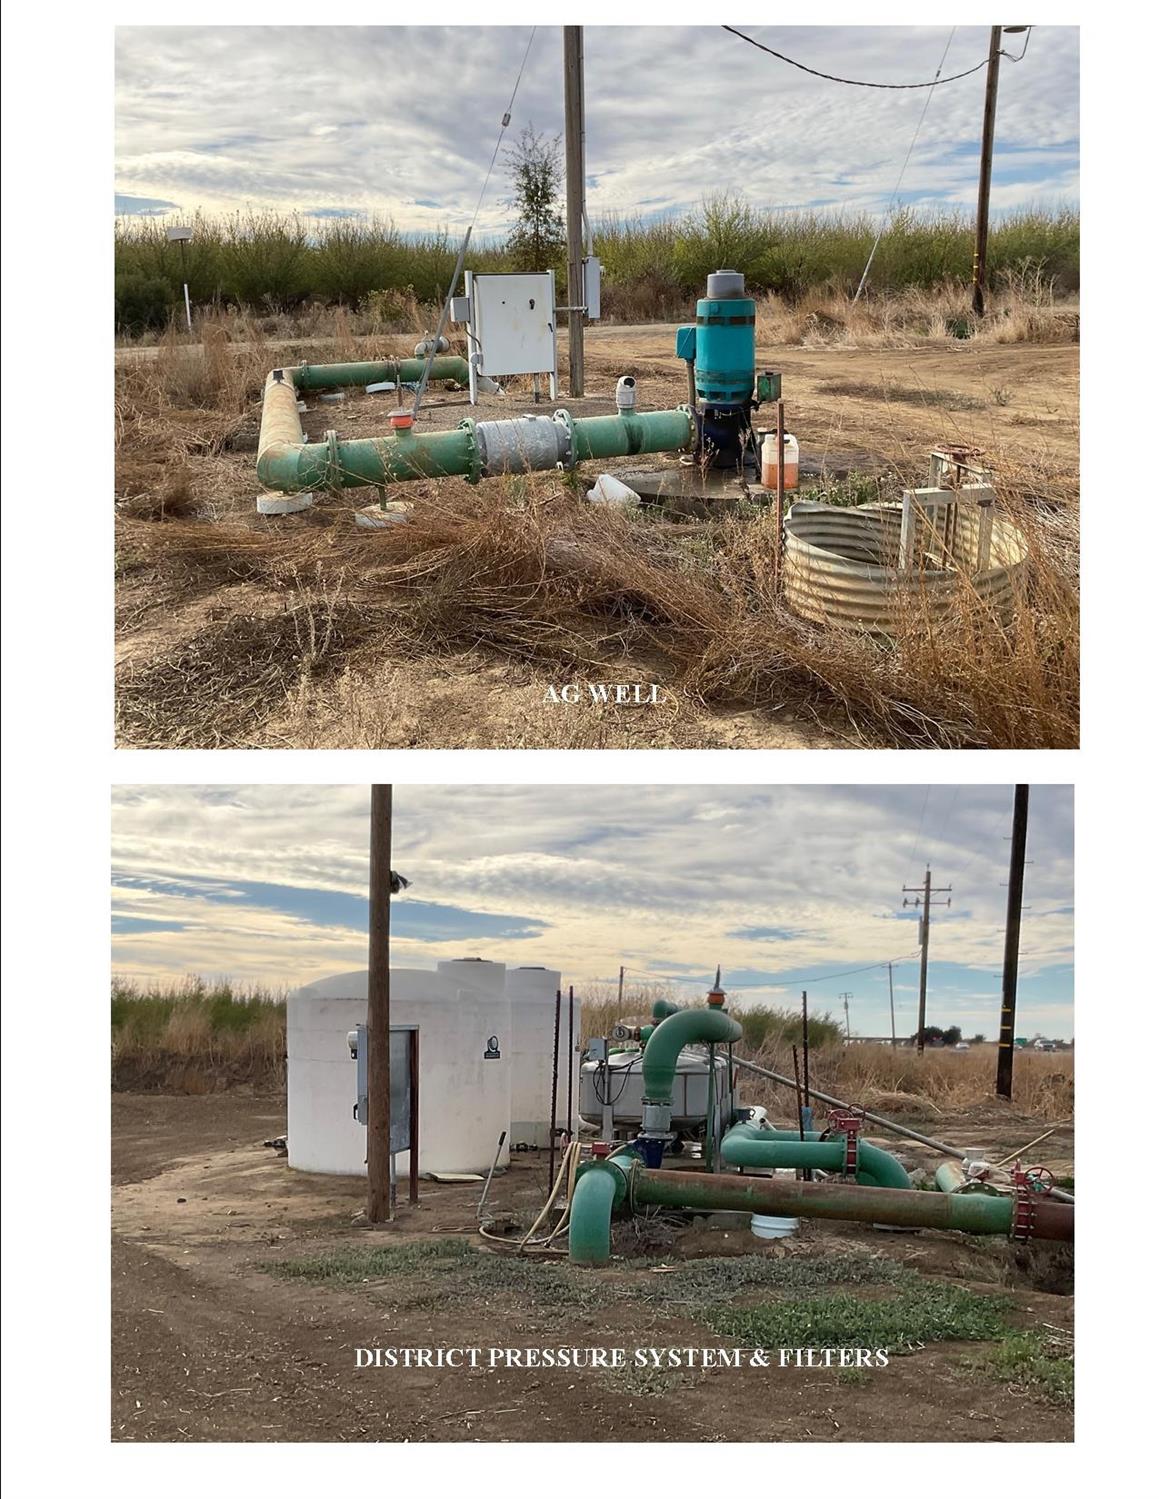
point(922, 900)
point(949, 814)
point(814, 978)
point(905, 163)
point(918, 834)
point(420, 390)
point(503, 124)
point(854, 82)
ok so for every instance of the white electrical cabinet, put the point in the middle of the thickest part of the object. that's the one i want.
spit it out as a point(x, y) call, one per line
point(511, 326)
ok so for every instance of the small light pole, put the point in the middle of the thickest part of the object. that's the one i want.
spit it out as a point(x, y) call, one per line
point(181, 234)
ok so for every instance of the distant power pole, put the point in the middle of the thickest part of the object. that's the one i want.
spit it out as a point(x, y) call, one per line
point(620, 991)
point(845, 998)
point(379, 1207)
point(982, 227)
point(923, 903)
point(1005, 1083)
point(892, 1020)
point(573, 112)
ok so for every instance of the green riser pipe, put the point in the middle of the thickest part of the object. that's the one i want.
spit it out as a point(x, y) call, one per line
point(602, 1187)
point(670, 1038)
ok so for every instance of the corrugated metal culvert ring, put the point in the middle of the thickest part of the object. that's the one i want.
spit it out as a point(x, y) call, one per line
point(841, 567)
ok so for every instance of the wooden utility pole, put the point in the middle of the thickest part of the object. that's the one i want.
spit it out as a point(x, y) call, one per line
point(620, 992)
point(1005, 1082)
point(573, 111)
point(982, 227)
point(892, 1020)
point(379, 1207)
point(845, 998)
point(922, 902)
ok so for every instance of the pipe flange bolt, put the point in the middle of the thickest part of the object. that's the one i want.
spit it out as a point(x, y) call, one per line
point(333, 462)
point(563, 418)
point(475, 466)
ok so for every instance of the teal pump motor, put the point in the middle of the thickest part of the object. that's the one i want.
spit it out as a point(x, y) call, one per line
point(722, 350)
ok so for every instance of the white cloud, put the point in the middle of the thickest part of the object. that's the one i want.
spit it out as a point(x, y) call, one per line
point(665, 879)
point(377, 117)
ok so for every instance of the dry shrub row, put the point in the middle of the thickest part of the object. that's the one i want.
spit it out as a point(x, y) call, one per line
point(896, 1081)
point(196, 1038)
point(1024, 308)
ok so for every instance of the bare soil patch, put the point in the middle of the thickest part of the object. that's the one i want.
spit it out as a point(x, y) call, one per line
point(208, 1345)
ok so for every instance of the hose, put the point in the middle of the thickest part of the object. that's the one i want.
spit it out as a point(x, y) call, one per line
point(529, 1244)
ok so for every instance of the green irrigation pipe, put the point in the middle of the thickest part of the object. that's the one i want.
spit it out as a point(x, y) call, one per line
point(747, 1145)
point(703, 1192)
point(288, 464)
point(370, 372)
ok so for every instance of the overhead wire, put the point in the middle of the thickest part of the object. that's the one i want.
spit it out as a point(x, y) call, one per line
point(918, 834)
point(503, 126)
point(853, 82)
point(420, 389)
point(897, 185)
point(808, 978)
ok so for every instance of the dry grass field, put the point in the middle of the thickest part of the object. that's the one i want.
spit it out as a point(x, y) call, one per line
point(452, 630)
point(197, 1038)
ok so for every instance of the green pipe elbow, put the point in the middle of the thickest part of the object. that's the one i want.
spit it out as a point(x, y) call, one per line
point(278, 468)
point(877, 1168)
point(768, 1149)
point(600, 1188)
point(670, 1038)
point(663, 1008)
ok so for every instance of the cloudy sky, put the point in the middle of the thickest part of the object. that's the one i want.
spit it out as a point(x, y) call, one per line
point(401, 121)
point(784, 886)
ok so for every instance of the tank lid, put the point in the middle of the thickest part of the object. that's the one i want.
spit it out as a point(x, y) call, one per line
point(725, 284)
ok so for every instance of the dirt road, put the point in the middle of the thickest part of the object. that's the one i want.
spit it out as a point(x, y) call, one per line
point(208, 1345)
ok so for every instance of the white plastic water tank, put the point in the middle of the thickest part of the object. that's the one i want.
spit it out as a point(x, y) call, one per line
point(464, 1096)
point(321, 1131)
point(532, 994)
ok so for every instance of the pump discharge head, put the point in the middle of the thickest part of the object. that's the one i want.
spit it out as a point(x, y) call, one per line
point(722, 351)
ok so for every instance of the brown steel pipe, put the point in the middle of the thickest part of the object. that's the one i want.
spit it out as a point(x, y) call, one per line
point(699, 1191)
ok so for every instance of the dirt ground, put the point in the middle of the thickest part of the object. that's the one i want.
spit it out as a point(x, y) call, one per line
point(209, 1346)
point(866, 410)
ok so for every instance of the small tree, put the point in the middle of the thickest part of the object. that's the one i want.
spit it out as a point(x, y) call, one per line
point(537, 241)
